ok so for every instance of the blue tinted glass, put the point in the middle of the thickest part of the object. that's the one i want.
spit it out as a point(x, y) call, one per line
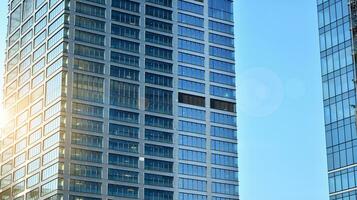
point(188, 196)
point(220, 39)
point(191, 155)
point(192, 127)
point(191, 46)
point(191, 59)
point(191, 141)
point(222, 92)
point(220, 27)
point(224, 146)
point(194, 170)
point(191, 72)
point(191, 20)
point(221, 65)
point(223, 188)
point(220, 52)
point(222, 78)
point(191, 86)
point(221, 9)
point(224, 160)
point(223, 132)
point(191, 113)
point(223, 119)
point(190, 7)
point(191, 33)
point(192, 184)
point(224, 174)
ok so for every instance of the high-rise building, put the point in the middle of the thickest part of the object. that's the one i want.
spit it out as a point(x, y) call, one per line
point(338, 67)
point(120, 99)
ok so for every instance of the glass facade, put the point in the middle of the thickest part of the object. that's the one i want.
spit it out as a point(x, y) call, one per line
point(120, 99)
point(338, 68)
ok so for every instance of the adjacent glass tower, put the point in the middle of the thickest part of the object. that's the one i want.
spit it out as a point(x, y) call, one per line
point(125, 99)
point(338, 66)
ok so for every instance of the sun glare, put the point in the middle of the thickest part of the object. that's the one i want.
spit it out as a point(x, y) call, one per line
point(3, 117)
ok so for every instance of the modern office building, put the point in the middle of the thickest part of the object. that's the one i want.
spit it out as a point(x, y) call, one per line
point(336, 28)
point(120, 99)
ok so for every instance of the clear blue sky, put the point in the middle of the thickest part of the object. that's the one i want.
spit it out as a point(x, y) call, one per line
point(281, 133)
point(281, 147)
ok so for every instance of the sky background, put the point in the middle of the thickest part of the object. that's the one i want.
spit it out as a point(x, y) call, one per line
point(281, 133)
point(280, 115)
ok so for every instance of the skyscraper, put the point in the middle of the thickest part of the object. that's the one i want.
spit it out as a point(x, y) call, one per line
point(339, 95)
point(120, 99)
